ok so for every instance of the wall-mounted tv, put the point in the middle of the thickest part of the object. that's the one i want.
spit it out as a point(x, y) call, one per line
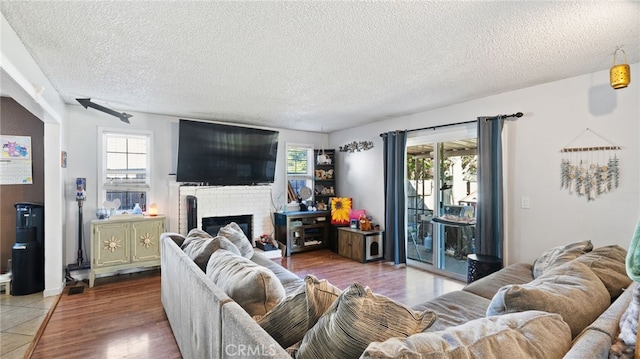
point(215, 154)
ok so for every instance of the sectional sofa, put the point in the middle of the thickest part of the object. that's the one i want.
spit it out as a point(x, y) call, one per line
point(224, 301)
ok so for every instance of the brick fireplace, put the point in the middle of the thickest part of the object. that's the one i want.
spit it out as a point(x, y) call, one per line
point(254, 201)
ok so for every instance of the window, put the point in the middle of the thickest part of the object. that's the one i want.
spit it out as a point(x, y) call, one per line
point(126, 168)
point(299, 169)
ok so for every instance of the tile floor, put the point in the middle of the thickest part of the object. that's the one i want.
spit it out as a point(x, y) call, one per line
point(20, 319)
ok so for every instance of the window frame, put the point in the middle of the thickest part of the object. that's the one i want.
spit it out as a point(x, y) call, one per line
point(308, 177)
point(103, 186)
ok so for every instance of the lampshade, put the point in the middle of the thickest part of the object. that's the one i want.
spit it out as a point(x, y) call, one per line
point(153, 209)
point(620, 75)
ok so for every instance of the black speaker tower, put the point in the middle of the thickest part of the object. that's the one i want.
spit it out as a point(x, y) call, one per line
point(192, 212)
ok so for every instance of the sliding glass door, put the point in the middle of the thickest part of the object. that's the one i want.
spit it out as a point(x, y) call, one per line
point(441, 199)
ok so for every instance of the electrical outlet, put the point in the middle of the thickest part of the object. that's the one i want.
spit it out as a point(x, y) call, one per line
point(524, 202)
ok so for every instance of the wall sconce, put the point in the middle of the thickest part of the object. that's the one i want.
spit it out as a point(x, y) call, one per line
point(357, 146)
point(153, 209)
point(620, 75)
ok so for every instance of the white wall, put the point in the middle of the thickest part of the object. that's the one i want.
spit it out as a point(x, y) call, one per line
point(82, 148)
point(22, 80)
point(554, 114)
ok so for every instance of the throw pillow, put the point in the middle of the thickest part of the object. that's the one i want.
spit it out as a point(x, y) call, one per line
point(255, 288)
point(557, 256)
point(608, 263)
point(288, 321)
point(193, 235)
point(532, 334)
point(234, 233)
point(357, 318)
point(200, 247)
point(571, 290)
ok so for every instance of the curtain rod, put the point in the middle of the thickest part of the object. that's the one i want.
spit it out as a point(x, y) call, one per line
point(517, 114)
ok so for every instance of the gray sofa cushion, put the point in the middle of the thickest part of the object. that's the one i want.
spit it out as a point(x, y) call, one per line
point(487, 287)
point(357, 318)
point(532, 334)
point(288, 321)
point(454, 308)
point(608, 263)
point(571, 290)
point(253, 287)
point(289, 280)
point(199, 246)
point(559, 255)
point(234, 233)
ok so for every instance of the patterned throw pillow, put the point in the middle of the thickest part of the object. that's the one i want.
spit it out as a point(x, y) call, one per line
point(234, 233)
point(557, 256)
point(357, 318)
point(288, 321)
point(504, 336)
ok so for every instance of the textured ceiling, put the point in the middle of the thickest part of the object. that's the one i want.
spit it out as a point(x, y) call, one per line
point(314, 65)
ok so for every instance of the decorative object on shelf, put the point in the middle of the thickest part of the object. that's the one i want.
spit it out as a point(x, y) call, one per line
point(324, 174)
point(153, 209)
point(364, 223)
point(137, 209)
point(112, 206)
point(102, 213)
point(323, 159)
point(589, 171)
point(620, 75)
point(357, 146)
point(340, 208)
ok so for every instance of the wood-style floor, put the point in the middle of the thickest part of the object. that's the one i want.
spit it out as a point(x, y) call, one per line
point(122, 316)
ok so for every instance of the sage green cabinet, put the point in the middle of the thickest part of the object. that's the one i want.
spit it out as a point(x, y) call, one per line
point(125, 242)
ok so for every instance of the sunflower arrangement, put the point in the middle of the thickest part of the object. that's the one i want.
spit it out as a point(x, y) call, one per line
point(340, 209)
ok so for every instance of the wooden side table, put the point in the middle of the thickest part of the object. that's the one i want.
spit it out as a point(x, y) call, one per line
point(361, 246)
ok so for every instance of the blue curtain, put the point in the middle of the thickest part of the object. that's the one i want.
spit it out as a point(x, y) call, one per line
point(489, 212)
point(395, 235)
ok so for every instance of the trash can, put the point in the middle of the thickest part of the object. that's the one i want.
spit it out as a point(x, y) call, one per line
point(27, 264)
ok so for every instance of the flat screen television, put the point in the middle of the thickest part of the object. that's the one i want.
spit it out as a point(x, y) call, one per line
point(215, 154)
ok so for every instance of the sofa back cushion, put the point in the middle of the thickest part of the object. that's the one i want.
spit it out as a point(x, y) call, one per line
point(234, 233)
point(571, 290)
point(531, 334)
point(199, 246)
point(288, 321)
point(255, 288)
point(559, 255)
point(357, 318)
point(608, 263)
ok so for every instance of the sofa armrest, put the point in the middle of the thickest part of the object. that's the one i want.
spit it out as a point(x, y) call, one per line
point(596, 339)
point(242, 337)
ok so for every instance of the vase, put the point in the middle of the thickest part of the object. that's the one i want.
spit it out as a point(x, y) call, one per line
point(137, 209)
point(102, 213)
